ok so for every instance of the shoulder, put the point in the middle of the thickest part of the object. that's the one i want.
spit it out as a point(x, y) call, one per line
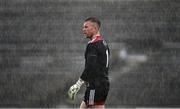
point(98, 43)
point(101, 43)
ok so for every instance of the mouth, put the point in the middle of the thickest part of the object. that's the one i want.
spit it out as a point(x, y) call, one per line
point(84, 33)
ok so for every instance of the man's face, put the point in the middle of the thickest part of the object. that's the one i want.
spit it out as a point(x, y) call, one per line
point(89, 29)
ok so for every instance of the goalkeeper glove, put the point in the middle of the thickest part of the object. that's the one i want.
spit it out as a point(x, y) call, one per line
point(74, 89)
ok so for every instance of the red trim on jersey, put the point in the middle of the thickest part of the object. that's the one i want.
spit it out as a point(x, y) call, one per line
point(98, 38)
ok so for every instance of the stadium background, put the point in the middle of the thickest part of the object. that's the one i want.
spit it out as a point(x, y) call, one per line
point(42, 51)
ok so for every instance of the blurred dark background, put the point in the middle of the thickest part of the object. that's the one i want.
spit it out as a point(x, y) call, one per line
point(42, 51)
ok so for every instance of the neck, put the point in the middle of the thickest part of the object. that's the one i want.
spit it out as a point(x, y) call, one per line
point(94, 36)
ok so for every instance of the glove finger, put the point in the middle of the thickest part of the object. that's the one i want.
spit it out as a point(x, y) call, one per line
point(70, 94)
point(73, 96)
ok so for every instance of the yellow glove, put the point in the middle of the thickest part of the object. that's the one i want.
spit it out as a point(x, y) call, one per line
point(73, 90)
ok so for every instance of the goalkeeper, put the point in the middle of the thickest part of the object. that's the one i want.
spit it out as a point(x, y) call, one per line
point(95, 74)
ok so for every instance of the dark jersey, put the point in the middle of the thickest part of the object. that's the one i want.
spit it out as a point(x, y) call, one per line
point(96, 61)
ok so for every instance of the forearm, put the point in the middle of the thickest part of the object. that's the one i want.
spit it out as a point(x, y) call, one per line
point(88, 74)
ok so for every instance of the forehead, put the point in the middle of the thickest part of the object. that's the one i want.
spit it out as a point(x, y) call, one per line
point(88, 23)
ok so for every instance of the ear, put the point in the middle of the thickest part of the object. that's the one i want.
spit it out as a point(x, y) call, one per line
point(96, 27)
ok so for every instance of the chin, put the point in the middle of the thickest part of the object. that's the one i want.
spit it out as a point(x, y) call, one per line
point(88, 37)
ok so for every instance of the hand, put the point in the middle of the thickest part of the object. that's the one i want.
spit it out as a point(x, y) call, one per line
point(73, 90)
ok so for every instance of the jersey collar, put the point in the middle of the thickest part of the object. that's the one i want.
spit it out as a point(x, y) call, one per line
point(96, 39)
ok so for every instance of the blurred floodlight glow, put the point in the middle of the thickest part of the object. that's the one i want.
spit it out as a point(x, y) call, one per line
point(123, 54)
point(139, 58)
point(132, 57)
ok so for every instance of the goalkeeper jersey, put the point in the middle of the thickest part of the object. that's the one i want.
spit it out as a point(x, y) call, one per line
point(96, 60)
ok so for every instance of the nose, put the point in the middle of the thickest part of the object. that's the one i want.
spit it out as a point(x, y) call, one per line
point(83, 29)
